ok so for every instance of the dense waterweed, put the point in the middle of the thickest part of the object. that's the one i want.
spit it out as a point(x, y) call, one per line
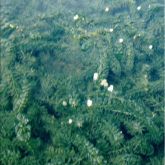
point(81, 82)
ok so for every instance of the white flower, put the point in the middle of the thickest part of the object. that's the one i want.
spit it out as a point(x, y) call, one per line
point(139, 8)
point(134, 37)
point(149, 6)
point(150, 47)
point(111, 29)
point(106, 9)
point(76, 17)
point(89, 102)
point(110, 88)
point(95, 76)
point(64, 103)
point(70, 121)
point(121, 40)
point(104, 83)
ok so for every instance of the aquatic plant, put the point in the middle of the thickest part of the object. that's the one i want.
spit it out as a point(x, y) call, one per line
point(84, 85)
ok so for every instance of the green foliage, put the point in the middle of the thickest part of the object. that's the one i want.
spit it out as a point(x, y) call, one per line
point(53, 111)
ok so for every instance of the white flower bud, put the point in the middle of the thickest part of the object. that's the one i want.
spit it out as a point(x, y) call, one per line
point(121, 40)
point(110, 88)
point(79, 124)
point(150, 47)
point(76, 17)
point(106, 9)
point(89, 103)
point(95, 76)
point(111, 29)
point(139, 8)
point(11, 26)
point(74, 104)
point(70, 121)
point(64, 103)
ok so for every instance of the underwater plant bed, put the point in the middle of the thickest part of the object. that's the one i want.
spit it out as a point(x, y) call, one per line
point(82, 82)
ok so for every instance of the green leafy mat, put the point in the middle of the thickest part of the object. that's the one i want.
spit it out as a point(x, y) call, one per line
point(53, 111)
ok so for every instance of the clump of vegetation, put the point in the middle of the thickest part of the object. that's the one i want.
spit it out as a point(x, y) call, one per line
point(82, 83)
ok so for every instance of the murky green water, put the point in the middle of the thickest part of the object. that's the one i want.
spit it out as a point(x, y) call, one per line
point(82, 82)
